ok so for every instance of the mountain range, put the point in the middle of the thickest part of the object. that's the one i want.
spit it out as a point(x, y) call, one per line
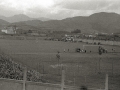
point(21, 17)
point(97, 22)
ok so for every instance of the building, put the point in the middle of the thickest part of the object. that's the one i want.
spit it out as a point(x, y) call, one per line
point(9, 30)
point(4, 31)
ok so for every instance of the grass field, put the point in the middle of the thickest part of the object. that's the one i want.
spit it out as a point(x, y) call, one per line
point(80, 68)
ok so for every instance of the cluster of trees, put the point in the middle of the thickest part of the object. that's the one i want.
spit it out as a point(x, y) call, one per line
point(76, 31)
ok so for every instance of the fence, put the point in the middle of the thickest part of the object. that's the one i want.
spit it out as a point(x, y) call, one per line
point(21, 37)
point(100, 41)
point(9, 84)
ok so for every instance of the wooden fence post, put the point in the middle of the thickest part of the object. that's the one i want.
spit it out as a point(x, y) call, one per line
point(106, 82)
point(74, 78)
point(63, 79)
point(24, 78)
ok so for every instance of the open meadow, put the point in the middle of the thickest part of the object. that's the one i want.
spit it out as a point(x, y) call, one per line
point(81, 68)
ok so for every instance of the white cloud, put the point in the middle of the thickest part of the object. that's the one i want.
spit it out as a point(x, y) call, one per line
point(57, 8)
point(83, 4)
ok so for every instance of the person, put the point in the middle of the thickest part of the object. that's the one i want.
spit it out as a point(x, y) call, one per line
point(82, 50)
point(68, 50)
point(83, 88)
point(114, 50)
point(57, 55)
point(58, 52)
point(100, 50)
point(64, 50)
point(106, 50)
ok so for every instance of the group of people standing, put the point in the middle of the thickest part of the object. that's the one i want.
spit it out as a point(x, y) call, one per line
point(67, 50)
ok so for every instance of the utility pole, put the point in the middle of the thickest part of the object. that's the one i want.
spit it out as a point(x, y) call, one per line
point(43, 68)
point(112, 67)
point(78, 68)
point(15, 29)
point(99, 65)
point(74, 78)
point(85, 80)
point(58, 58)
point(100, 53)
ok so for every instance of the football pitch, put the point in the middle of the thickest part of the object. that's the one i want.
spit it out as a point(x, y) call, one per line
point(81, 68)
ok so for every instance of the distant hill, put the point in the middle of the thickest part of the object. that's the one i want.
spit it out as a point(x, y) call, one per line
point(21, 17)
point(16, 18)
point(98, 22)
point(54, 25)
point(3, 23)
point(2, 17)
point(105, 22)
point(43, 19)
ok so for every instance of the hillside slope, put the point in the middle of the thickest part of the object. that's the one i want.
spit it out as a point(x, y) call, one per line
point(3, 23)
point(98, 22)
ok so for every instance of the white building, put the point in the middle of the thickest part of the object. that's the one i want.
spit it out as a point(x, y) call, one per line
point(9, 30)
point(4, 31)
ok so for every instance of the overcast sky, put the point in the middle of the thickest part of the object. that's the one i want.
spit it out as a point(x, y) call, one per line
point(57, 9)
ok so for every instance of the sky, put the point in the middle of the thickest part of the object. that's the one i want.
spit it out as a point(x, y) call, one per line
point(57, 9)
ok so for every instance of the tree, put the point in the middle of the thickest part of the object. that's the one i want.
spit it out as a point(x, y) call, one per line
point(76, 31)
point(29, 31)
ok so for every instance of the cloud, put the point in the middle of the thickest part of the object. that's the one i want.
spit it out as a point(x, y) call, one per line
point(24, 6)
point(83, 4)
point(8, 11)
point(114, 6)
point(56, 13)
point(70, 8)
point(58, 9)
point(88, 7)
